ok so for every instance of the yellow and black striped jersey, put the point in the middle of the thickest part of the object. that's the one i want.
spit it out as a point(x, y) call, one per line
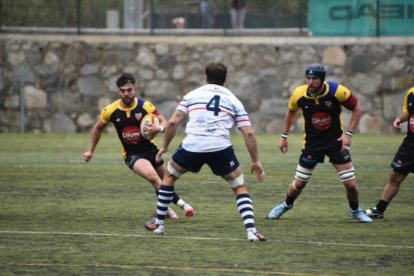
point(321, 120)
point(408, 106)
point(127, 124)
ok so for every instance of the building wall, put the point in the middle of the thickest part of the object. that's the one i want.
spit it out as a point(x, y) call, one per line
point(66, 80)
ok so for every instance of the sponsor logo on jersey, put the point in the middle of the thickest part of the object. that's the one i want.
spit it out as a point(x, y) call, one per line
point(131, 135)
point(201, 120)
point(328, 103)
point(321, 121)
point(138, 116)
point(411, 123)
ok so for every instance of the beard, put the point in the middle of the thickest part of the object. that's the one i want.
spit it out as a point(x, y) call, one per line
point(127, 100)
point(315, 90)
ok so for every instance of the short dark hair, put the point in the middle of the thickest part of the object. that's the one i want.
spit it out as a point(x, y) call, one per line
point(216, 73)
point(125, 78)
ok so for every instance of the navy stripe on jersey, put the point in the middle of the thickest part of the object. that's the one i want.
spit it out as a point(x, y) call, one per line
point(333, 86)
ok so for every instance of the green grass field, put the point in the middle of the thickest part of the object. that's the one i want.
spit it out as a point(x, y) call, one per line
point(61, 216)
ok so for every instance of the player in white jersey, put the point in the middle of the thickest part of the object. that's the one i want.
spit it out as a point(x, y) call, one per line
point(212, 111)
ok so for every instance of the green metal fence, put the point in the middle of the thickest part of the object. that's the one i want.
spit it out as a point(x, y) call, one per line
point(141, 15)
point(361, 17)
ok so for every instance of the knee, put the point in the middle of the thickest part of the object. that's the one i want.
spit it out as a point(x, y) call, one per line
point(303, 175)
point(347, 176)
point(154, 179)
point(171, 171)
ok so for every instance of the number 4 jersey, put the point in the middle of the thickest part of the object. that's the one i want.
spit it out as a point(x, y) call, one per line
point(212, 111)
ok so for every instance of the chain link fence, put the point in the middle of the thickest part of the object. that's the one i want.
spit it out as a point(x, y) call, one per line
point(151, 16)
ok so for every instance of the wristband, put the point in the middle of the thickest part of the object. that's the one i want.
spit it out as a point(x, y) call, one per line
point(349, 133)
point(162, 129)
point(284, 135)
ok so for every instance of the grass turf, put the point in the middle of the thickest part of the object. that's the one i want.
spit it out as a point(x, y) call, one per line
point(59, 215)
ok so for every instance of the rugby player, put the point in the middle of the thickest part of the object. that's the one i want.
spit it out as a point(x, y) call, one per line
point(321, 103)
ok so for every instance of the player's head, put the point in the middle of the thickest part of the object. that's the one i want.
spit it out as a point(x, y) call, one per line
point(317, 70)
point(126, 88)
point(216, 73)
point(125, 78)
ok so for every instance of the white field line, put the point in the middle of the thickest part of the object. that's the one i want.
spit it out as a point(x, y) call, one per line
point(92, 234)
point(173, 268)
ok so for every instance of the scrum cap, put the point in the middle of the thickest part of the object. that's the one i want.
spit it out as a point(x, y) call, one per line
point(316, 69)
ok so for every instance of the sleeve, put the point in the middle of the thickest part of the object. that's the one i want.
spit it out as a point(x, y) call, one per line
point(106, 113)
point(241, 116)
point(405, 103)
point(346, 97)
point(150, 108)
point(293, 101)
point(183, 105)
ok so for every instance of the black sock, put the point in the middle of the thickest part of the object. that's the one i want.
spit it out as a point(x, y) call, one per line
point(176, 198)
point(382, 205)
point(289, 200)
point(354, 205)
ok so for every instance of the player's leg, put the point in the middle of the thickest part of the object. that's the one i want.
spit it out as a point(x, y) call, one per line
point(223, 163)
point(244, 204)
point(177, 200)
point(346, 173)
point(165, 194)
point(402, 165)
point(145, 169)
point(390, 190)
point(165, 197)
point(304, 170)
point(144, 165)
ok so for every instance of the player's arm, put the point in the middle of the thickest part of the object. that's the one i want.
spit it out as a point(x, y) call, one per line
point(170, 130)
point(251, 144)
point(290, 118)
point(403, 117)
point(163, 123)
point(353, 105)
point(154, 129)
point(96, 134)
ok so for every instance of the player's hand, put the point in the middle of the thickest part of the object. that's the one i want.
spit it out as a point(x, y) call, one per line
point(161, 151)
point(283, 145)
point(258, 170)
point(151, 129)
point(346, 143)
point(87, 155)
point(397, 124)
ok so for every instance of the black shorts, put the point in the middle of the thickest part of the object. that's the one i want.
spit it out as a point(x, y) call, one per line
point(309, 159)
point(220, 162)
point(403, 161)
point(148, 155)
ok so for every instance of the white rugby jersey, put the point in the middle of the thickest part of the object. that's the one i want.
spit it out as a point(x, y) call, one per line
point(212, 111)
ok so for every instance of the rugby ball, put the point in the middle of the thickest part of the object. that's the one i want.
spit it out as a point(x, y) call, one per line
point(149, 119)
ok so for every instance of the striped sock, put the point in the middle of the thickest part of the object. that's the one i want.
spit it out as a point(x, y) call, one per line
point(245, 207)
point(165, 196)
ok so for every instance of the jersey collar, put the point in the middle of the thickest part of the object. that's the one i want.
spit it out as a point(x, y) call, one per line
point(128, 108)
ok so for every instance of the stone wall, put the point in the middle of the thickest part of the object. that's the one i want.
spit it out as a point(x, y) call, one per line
point(67, 80)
